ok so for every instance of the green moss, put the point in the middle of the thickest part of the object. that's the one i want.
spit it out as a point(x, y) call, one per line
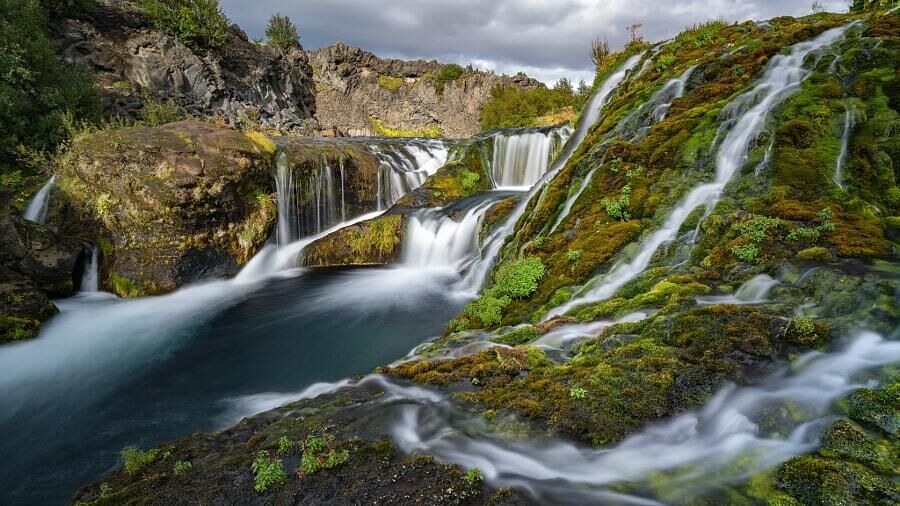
point(390, 83)
point(488, 309)
point(518, 279)
point(124, 287)
point(136, 460)
point(517, 337)
point(880, 408)
point(813, 480)
point(385, 131)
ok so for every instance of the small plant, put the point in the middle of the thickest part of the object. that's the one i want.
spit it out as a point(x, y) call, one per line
point(746, 253)
point(309, 464)
point(577, 393)
point(105, 489)
point(538, 243)
point(336, 458)
point(135, 459)
point(470, 180)
point(519, 278)
point(488, 309)
point(268, 472)
point(613, 167)
point(757, 228)
point(574, 255)
point(475, 382)
point(181, 467)
point(316, 443)
point(123, 86)
point(665, 61)
point(473, 476)
point(616, 208)
point(803, 331)
point(281, 33)
point(797, 234)
point(635, 172)
point(286, 446)
point(738, 70)
point(160, 113)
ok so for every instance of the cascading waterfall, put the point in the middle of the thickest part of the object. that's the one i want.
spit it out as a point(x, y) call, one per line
point(746, 117)
point(287, 230)
point(90, 280)
point(40, 204)
point(405, 167)
point(849, 120)
point(477, 274)
point(699, 449)
point(520, 159)
point(652, 111)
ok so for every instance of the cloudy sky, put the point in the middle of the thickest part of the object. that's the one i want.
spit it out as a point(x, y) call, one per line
point(547, 39)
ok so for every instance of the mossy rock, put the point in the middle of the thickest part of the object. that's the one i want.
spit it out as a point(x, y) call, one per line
point(372, 242)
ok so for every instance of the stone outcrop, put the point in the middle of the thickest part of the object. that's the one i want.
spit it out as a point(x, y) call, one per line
point(358, 93)
point(167, 205)
point(35, 264)
point(372, 242)
point(242, 82)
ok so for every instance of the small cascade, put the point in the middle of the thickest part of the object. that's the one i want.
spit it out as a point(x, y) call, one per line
point(90, 280)
point(287, 230)
point(754, 291)
point(520, 159)
point(325, 199)
point(404, 167)
point(656, 108)
point(442, 239)
point(699, 450)
point(40, 204)
point(745, 118)
point(477, 274)
point(849, 123)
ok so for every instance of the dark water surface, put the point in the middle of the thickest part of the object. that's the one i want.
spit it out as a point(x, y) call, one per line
point(108, 373)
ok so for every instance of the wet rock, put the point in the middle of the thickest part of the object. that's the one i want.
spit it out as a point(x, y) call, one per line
point(36, 252)
point(23, 307)
point(372, 242)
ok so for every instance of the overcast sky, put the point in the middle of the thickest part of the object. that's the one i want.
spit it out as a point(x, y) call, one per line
point(547, 39)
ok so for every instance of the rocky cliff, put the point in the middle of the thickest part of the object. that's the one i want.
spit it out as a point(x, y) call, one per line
point(358, 93)
point(242, 82)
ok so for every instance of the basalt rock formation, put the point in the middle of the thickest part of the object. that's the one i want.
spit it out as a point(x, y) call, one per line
point(242, 82)
point(358, 93)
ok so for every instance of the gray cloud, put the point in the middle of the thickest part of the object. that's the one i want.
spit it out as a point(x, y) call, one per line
point(548, 39)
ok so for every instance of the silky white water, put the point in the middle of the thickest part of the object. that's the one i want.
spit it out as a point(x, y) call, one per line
point(754, 291)
point(90, 280)
point(435, 240)
point(405, 168)
point(477, 274)
point(38, 207)
point(520, 159)
point(745, 118)
point(849, 121)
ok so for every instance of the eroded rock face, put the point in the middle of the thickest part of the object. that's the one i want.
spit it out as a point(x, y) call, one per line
point(353, 87)
point(241, 82)
point(168, 205)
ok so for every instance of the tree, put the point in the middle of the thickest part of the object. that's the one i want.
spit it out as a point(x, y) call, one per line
point(281, 33)
point(599, 52)
point(584, 88)
point(817, 7)
point(565, 86)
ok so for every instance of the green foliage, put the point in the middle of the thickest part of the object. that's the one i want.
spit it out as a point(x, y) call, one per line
point(318, 455)
point(39, 96)
point(488, 309)
point(513, 107)
point(135, 459)
point(336, 458)
point(577, 393)
point(181, 467)
point(665, 61)
point(746, 252)
point(811, 234)
point(315, 443)
point(518, 279)
point(386, 131)
point(155, 114)
point(281, 33)
point(757, 228)
point(309, 464)
point(447, 74)
point(615, 208)
point(517, 337)
point(470, 180)
point(574, 255)
point(390, 83)
point(286, 446)
point(267, 471)
point(473, 476)
point(198, 24)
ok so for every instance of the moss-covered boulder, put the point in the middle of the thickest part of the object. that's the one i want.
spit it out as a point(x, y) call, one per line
point(372, 242)
point(167, 205)
point(467, 173)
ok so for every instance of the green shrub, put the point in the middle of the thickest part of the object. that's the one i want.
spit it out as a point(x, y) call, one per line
point(473, 476)
point(746, 253)
point(574, 255)
point(281, 33)
point(181, 467)
point(757, 228)
point(447, 74)
point(41, 99)
point(518, 279)
point(811, 234)
point(155, 114)
point(513, 107)
point(336, 458)
point(665, 61)
point(309, 464)
point(286, 446)
point(615, 208)
point(577, 393)
point(198, 24)
point(268, 472)
point(135, 459)
point(488, 309)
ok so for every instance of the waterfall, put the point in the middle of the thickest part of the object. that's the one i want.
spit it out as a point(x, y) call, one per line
point(323, 203)
point(701, 447)
point(287, 230)
point(39, 205)
point(90, 280)
point(849, 121)
point(437, 239)
point(745, 118)
point(404, 167)
point(754, 291)
point(520, 159)
point(477, 274)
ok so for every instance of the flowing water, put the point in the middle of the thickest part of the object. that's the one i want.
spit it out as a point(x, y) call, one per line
point(90, 279)
point(849, 119)
point(37, 208)
point(745, 118)
point(522, 158)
